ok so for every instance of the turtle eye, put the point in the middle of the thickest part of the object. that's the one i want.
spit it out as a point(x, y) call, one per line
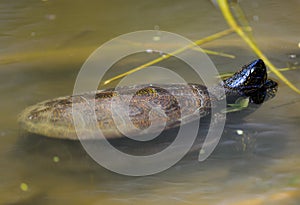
point(270, 84)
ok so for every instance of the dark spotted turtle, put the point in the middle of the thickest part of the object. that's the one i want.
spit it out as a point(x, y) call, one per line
point(53, 118)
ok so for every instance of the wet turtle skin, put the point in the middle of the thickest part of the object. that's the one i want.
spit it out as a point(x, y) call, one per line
point(176, 104)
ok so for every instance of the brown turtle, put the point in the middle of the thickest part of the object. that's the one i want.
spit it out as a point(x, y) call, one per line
point(177, 103)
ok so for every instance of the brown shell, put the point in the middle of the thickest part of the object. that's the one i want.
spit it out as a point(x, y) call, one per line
point(175, 103)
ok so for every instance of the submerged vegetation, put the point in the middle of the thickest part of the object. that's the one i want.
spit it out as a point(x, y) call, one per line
point(243, 30)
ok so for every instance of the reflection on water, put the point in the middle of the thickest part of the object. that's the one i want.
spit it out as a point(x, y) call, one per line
point(44, 43)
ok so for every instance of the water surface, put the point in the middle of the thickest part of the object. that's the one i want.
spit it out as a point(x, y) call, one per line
point(43, 46)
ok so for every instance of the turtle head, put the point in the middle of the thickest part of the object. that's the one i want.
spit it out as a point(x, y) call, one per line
point(251, 81)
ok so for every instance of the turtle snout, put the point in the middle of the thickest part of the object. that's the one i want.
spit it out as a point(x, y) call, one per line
point(271, 88)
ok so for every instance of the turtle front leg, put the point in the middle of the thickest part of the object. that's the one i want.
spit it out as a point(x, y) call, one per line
point(240, 104)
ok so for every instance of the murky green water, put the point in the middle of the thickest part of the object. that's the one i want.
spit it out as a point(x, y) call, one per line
point(43, 45)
